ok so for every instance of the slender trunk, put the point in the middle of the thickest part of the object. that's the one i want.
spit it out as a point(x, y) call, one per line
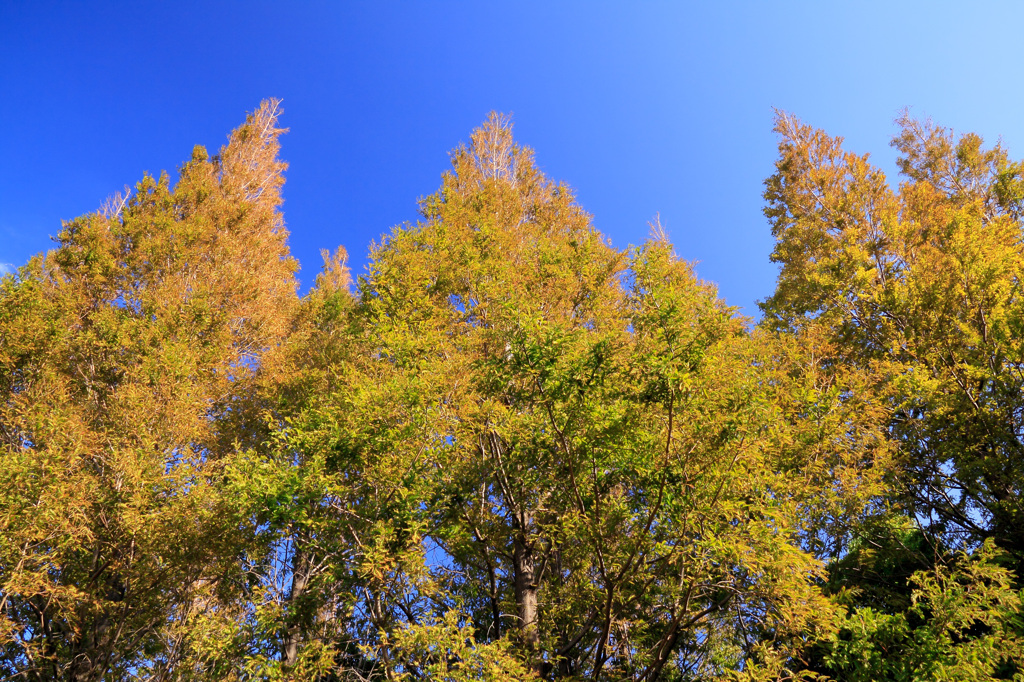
point(301, 569)
point(526, 589)
point(665, 649)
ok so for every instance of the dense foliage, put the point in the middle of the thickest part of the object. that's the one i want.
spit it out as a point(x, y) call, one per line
point(511, 451)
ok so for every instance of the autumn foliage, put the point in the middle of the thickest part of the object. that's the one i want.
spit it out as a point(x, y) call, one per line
point(511, 451)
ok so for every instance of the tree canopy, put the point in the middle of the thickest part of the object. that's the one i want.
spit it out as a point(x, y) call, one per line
point(509, 450)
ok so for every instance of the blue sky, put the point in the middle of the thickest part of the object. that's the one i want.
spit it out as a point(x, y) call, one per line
point(644, 107)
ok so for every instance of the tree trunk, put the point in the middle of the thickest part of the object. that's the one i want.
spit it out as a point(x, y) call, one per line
point(301, 569)
point(526, 589)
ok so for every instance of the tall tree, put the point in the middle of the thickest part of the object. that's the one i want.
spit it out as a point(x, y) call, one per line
point(922, 283)
point(123, 354)
point(919, 285)
point(619, 468)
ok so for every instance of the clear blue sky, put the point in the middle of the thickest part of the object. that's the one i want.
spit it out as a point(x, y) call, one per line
point(643, 107)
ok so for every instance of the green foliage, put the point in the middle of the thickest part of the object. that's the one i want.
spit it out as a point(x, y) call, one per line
point(963, 623)
point(919, 289)
point(920, 286)
point(510, 451)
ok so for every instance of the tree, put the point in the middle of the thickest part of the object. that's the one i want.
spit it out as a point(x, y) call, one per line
point(123, 355)
point(617, 469)
point(919, 287)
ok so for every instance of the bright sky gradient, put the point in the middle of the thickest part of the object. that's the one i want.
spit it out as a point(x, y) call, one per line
point(643, 107)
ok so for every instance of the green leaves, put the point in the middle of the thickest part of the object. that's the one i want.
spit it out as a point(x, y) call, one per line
point(915, 291)
point(962, 624)
point(512, 451)
point(605, 456)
